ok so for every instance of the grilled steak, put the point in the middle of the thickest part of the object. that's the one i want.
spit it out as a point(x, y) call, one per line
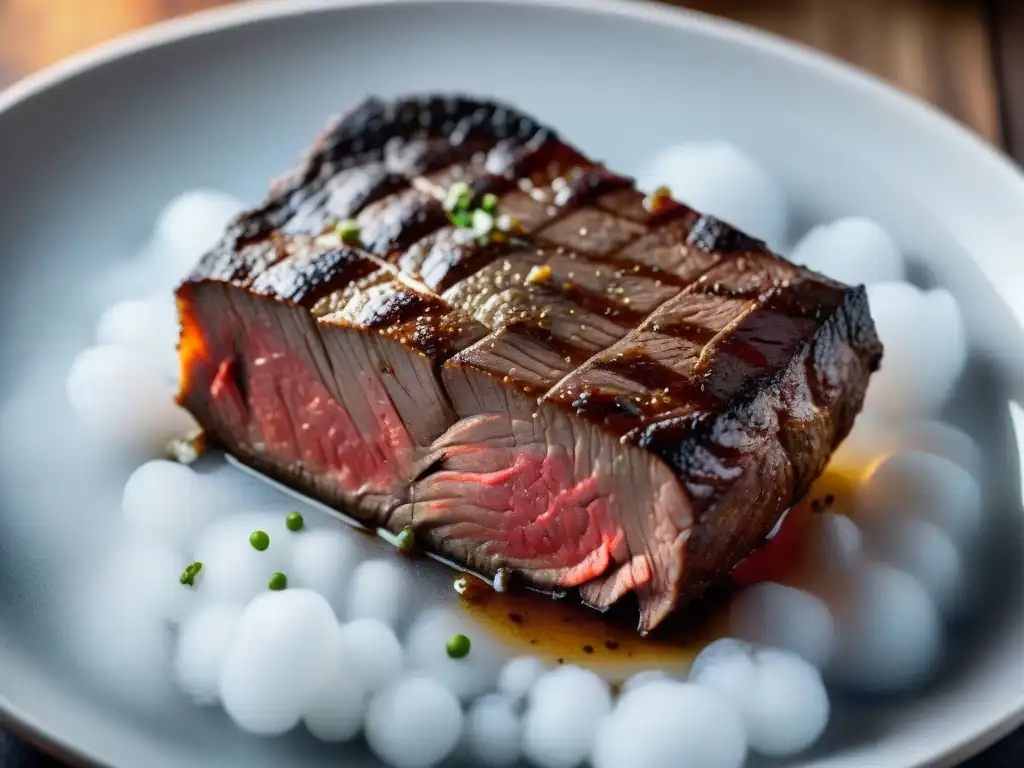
point(612, 393)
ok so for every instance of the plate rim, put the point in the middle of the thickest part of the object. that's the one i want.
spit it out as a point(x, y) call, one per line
point(211, 21)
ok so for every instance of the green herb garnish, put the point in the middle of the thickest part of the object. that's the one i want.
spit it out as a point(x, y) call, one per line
point(458, 646)
point(348, 231)
point(406, 540)
point(278, 582)
point(459, 197)
point(259, 540)
point(294, 521)
point(489, 202)
point(188, 576)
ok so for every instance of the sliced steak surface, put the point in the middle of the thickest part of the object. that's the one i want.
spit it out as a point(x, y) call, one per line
point(600, 390)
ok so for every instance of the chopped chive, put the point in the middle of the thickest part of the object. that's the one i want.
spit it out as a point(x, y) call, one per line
point(482, 222)
point(406, 540)
point(458, 197)
point(294, 521)
point(277, 582)
point(489, 202)
point(259, 540)
point(188, 576)
point(461, 219)
point(348, 231)
point(458, 646)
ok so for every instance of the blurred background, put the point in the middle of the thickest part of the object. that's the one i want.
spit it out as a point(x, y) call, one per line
point(957, 54)
point(966, 57)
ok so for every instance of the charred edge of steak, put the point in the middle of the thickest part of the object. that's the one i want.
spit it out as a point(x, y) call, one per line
point(369, 140)
point(632, 396)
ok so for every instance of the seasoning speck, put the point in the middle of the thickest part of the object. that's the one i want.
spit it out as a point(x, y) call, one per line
point(278, 581)
point(294, 521)
point(658, 200)
point(515, 618)
point(188, 576)
point(458, 646)
point(611, 645)
point(588, 649)
point(539, 274)
point(259, 540)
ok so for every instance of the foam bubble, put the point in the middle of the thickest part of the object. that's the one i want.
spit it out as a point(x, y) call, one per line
point(852, 250)
point(274, 665)
point(415, 723)
point(784, 617)
point(493, 732)
point(782, 698)
point(716, 177)
point(202, 645)
point(170, 503)
point(123, 402)
point(566, 708)
point(667, 725)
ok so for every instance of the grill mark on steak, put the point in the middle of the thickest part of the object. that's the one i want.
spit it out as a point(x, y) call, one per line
point(623, 397)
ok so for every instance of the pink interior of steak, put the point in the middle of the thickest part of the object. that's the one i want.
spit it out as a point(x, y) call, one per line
point(620, 397)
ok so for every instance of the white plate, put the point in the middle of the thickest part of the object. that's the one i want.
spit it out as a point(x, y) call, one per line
point(90, 150)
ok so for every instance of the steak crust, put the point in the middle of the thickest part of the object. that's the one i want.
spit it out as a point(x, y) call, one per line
point(616, 394)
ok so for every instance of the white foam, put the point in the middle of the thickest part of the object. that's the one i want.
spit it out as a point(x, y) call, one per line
point(380, 589)
point(852, 250)
point(336, 707)
point(415, 723)
point(782, 698)
point(889, 631)
point(323, 560)
point(426, 648)
point(925, 345)
point(493, 732)
point(274, 665)
point(120, 632)
point(124, 402)
point(168, 502)
point(233, 571)
point(566, 708)
point(925, 486)
point(667, 725)
point(188, 226)
point(148, 327)
point(517, 676)
point(784, 617)
point(927, 553)
point(202, 645)
point(716, 177)
point(376, 655)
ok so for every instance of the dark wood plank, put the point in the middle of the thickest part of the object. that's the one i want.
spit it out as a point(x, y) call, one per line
point(938, 50)
point(1007, 25)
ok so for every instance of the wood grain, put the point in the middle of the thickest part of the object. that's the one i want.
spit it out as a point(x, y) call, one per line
point(1007, 24)
point(938, 50)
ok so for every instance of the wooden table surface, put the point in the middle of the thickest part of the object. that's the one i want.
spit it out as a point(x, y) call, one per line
point(964, 56)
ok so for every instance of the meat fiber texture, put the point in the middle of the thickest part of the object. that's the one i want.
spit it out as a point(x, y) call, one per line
point(616, 394)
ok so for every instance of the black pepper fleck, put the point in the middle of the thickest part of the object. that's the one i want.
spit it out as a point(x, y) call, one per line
point(588, 649)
